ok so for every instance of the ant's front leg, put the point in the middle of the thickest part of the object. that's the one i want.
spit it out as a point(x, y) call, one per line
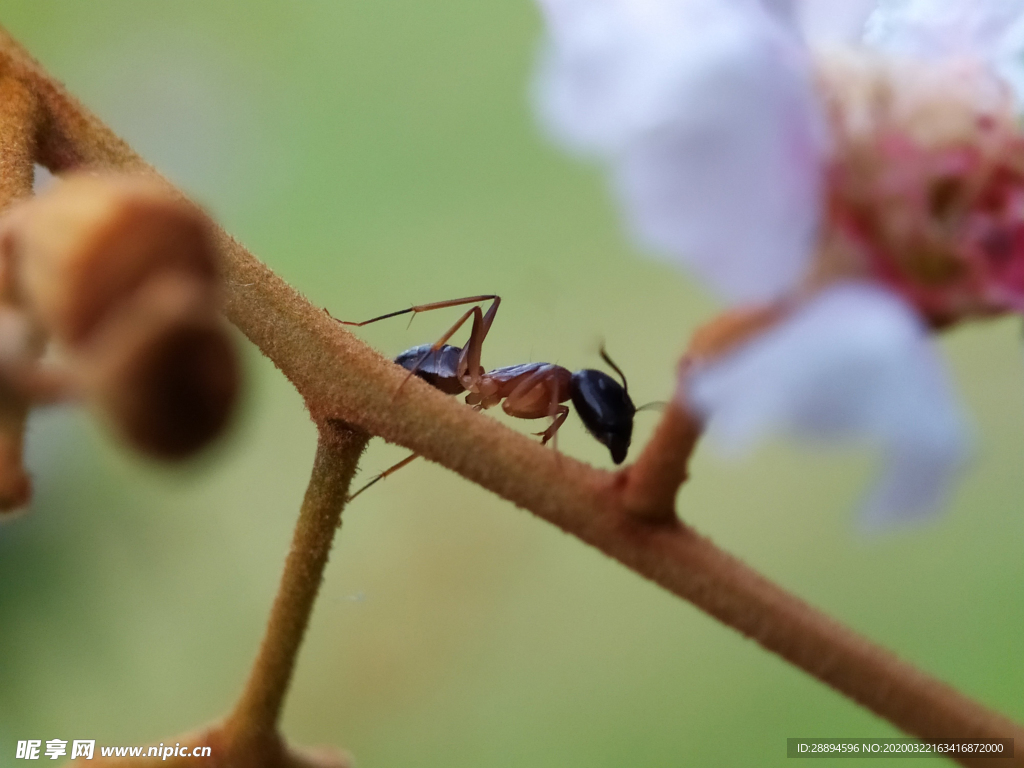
point(522, 401)
point(559, 416)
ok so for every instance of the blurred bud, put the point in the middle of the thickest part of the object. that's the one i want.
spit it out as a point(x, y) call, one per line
point(122, 276)
point(165, 372)
point(90, 242)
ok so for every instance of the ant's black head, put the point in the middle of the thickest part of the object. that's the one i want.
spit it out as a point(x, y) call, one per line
point(439, 368)
point(606, 409)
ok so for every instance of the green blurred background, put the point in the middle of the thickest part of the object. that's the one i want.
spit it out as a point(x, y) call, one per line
point(379, 154)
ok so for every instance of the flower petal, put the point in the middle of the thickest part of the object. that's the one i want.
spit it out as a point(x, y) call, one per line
point(941, 27)
point(706, 111)
point(992, 31)
point(854, 362)
point(834, 21)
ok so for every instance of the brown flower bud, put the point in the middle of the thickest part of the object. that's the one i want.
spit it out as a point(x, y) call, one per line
point(122, 276)
point(81, 248)
point(164, 370)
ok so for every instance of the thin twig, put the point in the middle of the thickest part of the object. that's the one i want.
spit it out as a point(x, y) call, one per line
point(648, 488)
point(255, 717)
point(340, 377)
point(249, 736)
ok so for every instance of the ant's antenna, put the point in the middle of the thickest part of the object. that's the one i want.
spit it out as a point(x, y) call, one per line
point(604, 356)
point(654, 405)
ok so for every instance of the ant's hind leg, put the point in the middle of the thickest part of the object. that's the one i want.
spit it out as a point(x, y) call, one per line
point(385, 473)
point(474, 313)
point(415, 310)
point(470, 356)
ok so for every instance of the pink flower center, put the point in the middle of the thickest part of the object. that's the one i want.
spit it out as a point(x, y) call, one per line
point(926, 190)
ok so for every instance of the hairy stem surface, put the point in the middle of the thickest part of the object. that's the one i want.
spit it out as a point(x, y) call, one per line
point(257, 712)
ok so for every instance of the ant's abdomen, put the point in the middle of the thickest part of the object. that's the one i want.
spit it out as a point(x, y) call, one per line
point(439, 368)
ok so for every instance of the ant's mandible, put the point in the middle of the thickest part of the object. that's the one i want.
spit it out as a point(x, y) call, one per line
point(526, 391)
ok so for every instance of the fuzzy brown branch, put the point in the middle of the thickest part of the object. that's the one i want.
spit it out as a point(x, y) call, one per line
point(256, 714)
point(18, 118)
point(249, 737)
point(341, 378)
point(648, 488)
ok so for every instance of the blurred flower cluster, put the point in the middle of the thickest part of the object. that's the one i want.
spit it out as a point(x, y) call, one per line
point(850, 172)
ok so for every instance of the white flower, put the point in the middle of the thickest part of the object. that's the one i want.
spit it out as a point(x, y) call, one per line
point(707, 111)
point(854, 360)
point(878, 193)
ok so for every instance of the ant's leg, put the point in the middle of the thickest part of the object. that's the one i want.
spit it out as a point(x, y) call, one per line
point(385, 473)
point(471, 353)
point(489, 318)
point(469, 359)
point(555, 380)
point(543, 377)
point(560, 414)
point(436, 305)
point(522, 389)
point(474, 313)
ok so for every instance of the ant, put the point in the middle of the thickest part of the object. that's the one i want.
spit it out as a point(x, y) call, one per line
point(525, 391)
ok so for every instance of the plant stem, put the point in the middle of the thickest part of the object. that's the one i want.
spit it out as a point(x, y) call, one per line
point(18, 120)
point(249, 736)
point(649, 487)
point(255, 717)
